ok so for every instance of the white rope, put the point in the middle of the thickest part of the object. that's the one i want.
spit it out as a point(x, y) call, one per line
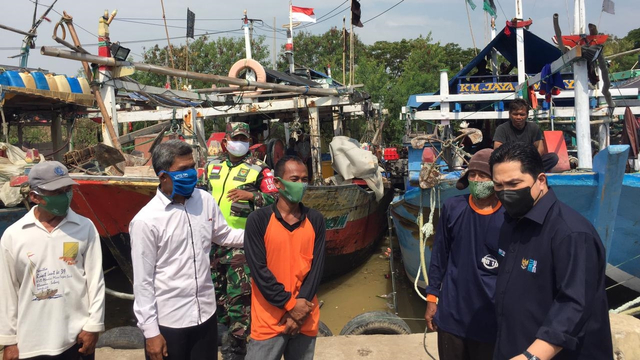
point(622, 309)
point(426, 230)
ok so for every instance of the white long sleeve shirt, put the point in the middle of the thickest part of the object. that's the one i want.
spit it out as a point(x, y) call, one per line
point(51, 284)
point(170, 245)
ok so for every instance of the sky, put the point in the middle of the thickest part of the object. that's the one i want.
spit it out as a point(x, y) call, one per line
point(139, 21)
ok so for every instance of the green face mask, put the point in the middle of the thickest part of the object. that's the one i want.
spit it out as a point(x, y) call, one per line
point(481, 189)
point(57, 204)
point(293, 191)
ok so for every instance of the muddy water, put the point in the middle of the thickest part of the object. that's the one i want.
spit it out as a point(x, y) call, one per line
point(363, 289)
point(367, 288)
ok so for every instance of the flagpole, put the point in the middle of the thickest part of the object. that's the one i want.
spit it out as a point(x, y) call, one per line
point(292, 66)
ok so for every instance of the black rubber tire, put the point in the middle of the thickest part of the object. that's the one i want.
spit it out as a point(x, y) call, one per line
point(376, 323)
point(124, 337)
point(323, 330)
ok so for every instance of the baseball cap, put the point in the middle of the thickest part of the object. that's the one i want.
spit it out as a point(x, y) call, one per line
point(238, 128)
point(479, 162)
point(50, 175)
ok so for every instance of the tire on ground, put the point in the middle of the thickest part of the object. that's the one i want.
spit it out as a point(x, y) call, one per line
point(323, 330)
point(376, 323)
point(123, 337)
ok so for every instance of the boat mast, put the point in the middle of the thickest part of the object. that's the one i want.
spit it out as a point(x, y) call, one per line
point(520, 43)
point(247, 36)
point(583, 127)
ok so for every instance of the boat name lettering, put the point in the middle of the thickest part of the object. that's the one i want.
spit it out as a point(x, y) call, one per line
point(336, 222)
point(501, 87)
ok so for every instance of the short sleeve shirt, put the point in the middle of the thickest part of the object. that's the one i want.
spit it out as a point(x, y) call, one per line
point(507, 133)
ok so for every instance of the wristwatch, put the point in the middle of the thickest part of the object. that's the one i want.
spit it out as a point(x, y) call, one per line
point(530, 356)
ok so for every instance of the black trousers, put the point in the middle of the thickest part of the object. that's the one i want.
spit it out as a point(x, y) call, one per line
point(198, 342)
point(549, 161)
point(71, 354)
point(453, 347)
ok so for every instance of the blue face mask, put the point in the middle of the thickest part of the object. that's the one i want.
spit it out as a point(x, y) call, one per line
point(184, 182)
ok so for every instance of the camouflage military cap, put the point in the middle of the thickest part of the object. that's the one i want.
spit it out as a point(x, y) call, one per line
point(237, 128)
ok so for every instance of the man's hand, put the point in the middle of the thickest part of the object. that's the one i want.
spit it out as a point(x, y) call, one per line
point(10, 352)
point(432, 308)
point(237, 194)
point(88, 341)
point(157, 347)
point(301, 310)
point(291, 326)
point(519, 357)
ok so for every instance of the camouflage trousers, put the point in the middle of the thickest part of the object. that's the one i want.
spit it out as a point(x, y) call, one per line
point(232, 283)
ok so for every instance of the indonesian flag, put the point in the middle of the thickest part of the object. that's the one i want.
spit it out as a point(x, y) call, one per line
point(302, 14)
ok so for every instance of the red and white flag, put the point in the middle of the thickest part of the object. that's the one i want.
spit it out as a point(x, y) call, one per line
point(302, 14)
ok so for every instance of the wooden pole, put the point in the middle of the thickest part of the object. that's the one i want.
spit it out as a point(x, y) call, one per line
point(275, 51)
point(162, 70)
point(166, 29)
point(344, 50)
point(316, 156)
point(520, 44)
point(56, 136)
point(351, 56)
point(583, 128)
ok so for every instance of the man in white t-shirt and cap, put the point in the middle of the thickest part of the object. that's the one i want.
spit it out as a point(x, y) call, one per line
point(51, 281)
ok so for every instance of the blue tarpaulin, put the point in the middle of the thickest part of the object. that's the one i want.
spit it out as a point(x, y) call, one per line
point(537, 53)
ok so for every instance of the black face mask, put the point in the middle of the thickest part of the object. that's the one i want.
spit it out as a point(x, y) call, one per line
point(517, 203)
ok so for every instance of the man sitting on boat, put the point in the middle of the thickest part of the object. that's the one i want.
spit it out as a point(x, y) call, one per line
point(464, 266)
point(285, 246)
point(518, 129)
point(51, 282)
point(550, 292)
point(240, 183)
point(171, 238)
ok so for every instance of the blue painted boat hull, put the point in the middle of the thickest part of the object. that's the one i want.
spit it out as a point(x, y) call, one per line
point(10, 215)
point(606, 197)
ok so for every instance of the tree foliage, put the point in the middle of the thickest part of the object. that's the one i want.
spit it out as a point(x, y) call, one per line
point(208, 56)
point(617, 45)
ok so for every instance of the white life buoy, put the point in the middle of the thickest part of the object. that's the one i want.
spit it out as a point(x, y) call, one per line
point(248, 64)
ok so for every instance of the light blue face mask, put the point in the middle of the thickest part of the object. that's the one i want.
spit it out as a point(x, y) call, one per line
point(184, 182)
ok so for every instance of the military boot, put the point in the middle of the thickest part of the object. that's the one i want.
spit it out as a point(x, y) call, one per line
point(233, 348)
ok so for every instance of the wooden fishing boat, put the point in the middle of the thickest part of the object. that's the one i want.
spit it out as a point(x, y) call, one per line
point(354, 220)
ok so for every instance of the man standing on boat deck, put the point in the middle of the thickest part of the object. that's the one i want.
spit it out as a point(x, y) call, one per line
point(239, 183)
point(550, 293)
point(285, 245)
point(51, 282)
point(171, 239)
point(518, 129)
point(464, 266)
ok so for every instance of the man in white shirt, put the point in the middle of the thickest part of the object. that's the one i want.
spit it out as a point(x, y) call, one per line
point(51, 282)
point(170, 243)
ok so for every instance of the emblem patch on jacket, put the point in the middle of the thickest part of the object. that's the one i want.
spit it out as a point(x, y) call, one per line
point(490, 262)
point(69, 252)
point(530, 265)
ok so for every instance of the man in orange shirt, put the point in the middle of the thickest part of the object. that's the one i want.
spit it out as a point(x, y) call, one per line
point(284, 248)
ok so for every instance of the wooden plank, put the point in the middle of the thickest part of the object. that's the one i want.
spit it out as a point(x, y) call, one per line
point(130, 137)
point(241, 109)
point(565, 60)
point(504, 96)
point(559, 112)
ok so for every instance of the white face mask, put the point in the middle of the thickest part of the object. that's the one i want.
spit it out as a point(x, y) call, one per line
point(237, 148)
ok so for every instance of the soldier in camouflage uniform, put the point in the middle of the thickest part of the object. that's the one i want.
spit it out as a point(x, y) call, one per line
point(240, 183)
